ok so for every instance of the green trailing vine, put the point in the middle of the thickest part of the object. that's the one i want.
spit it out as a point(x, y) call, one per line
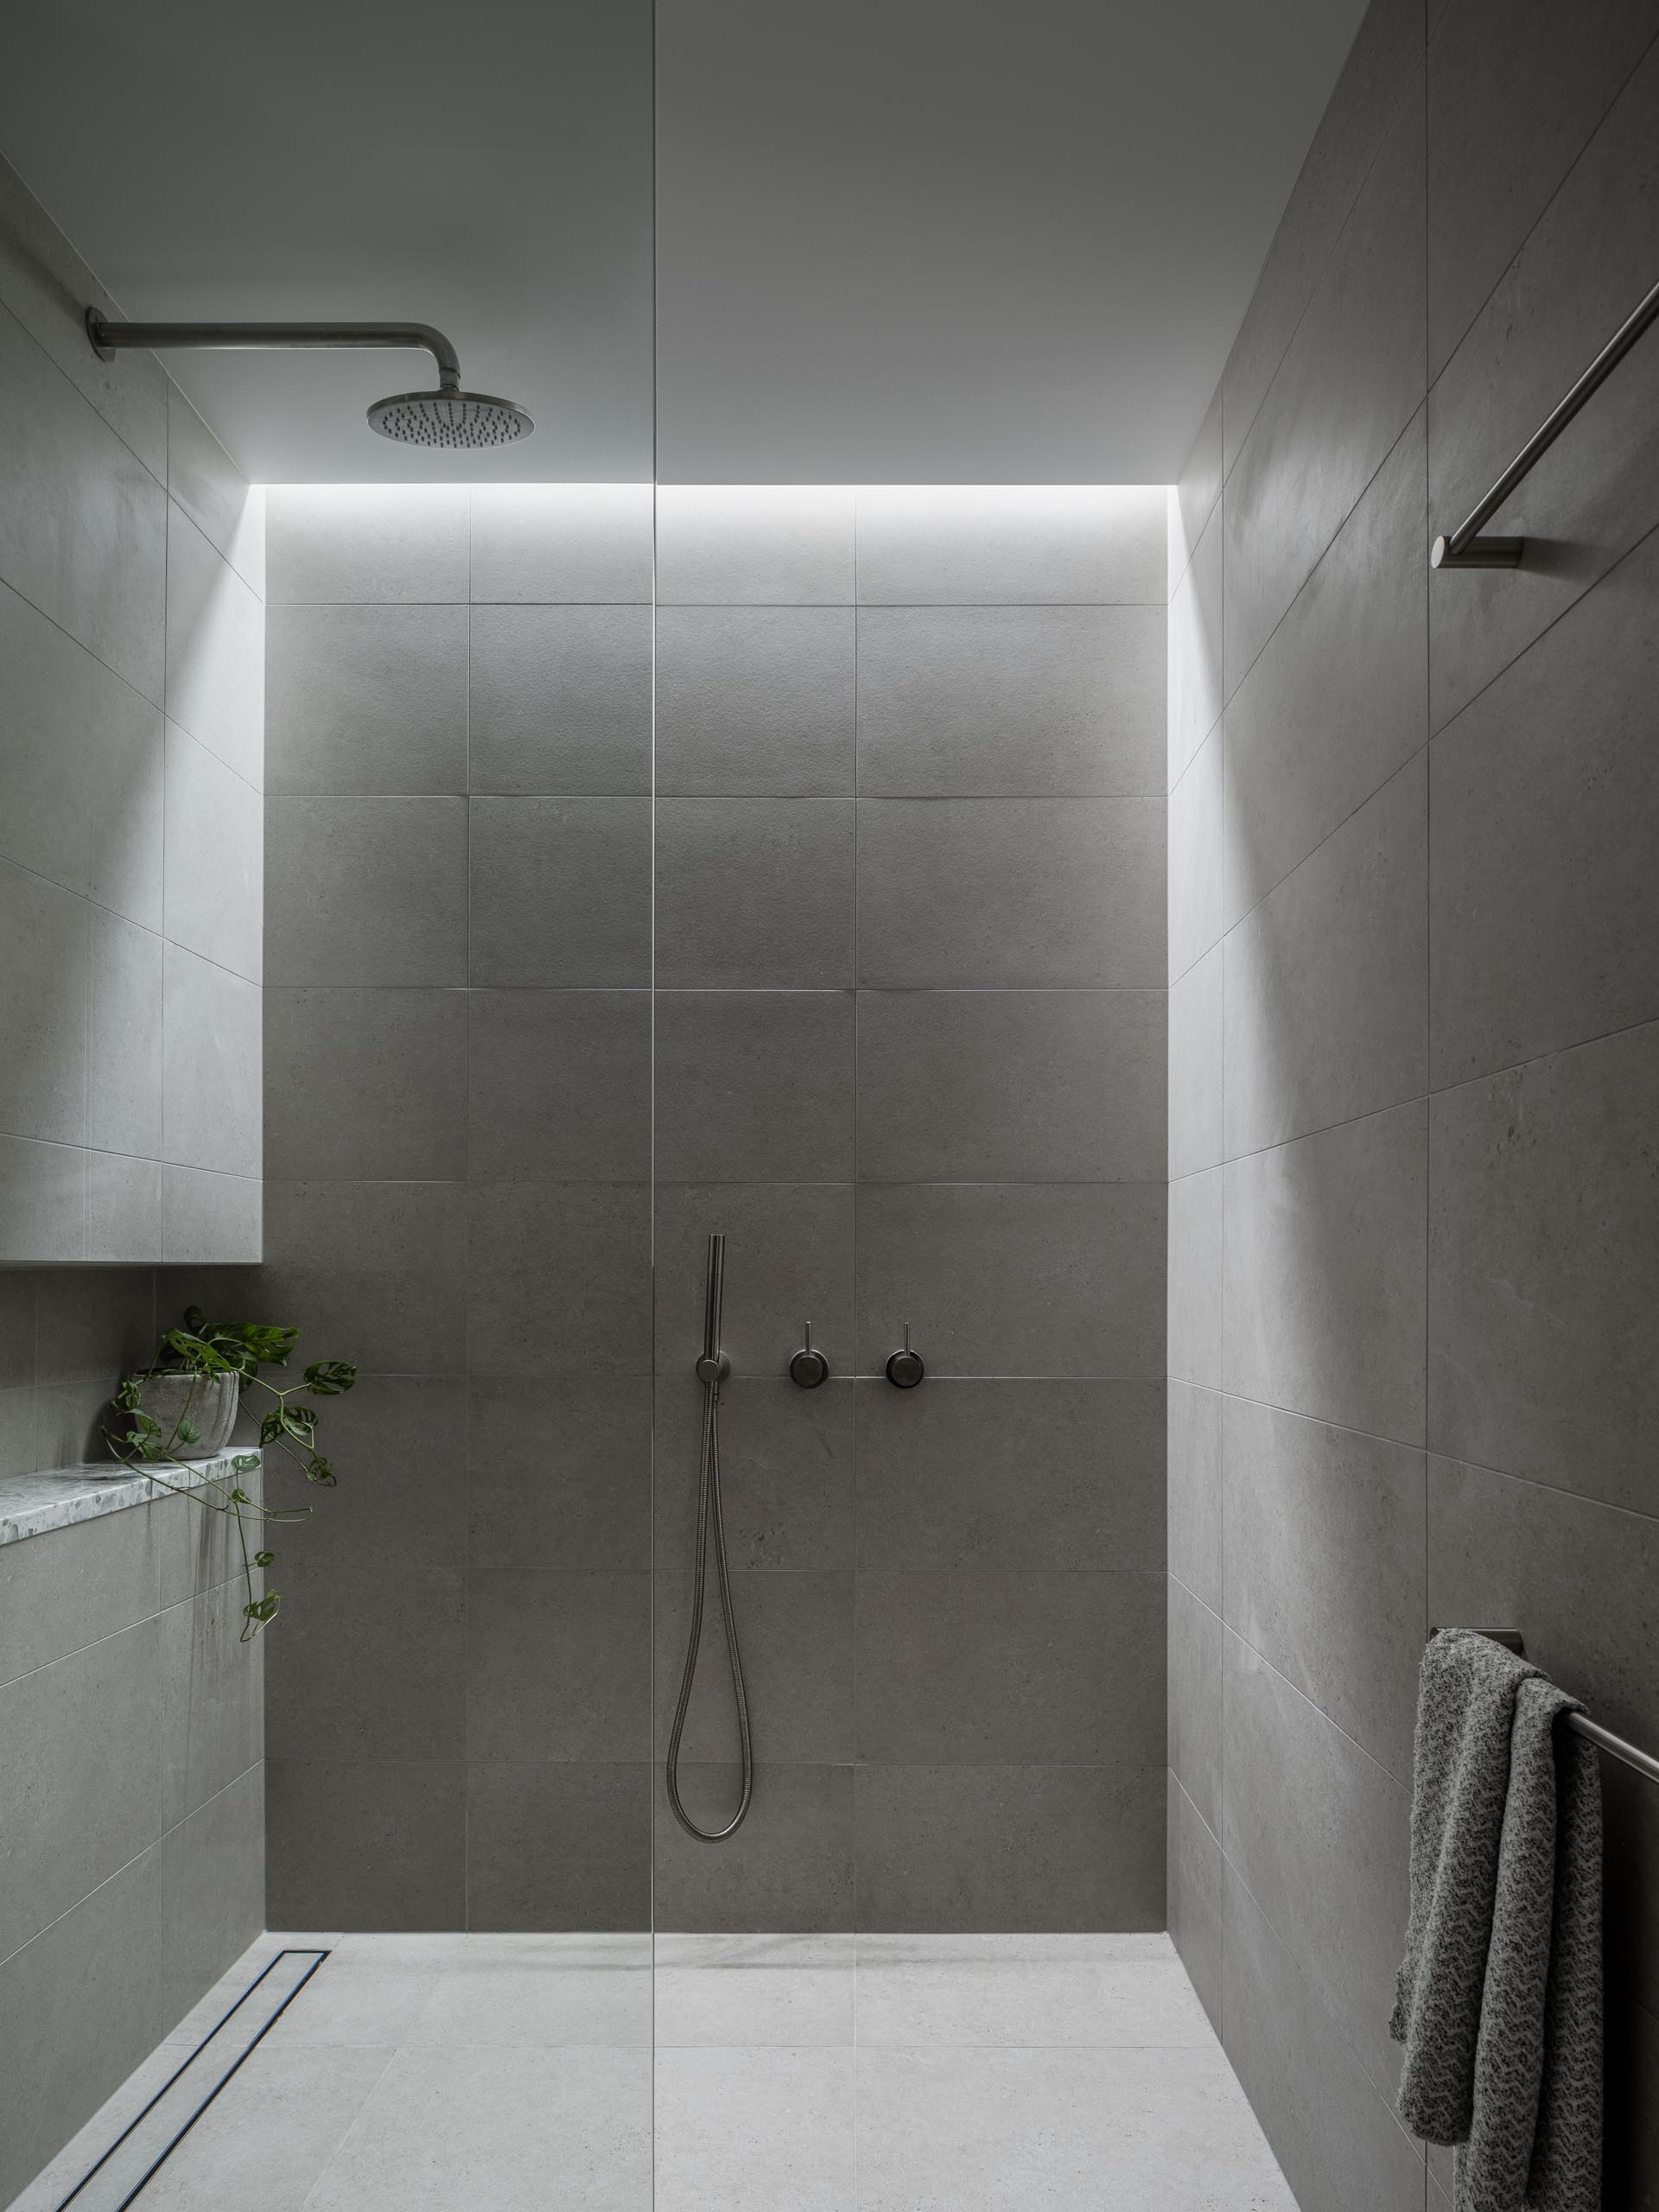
point(206, 1349)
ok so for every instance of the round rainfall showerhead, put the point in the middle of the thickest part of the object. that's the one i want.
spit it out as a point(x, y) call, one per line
point(449, 418)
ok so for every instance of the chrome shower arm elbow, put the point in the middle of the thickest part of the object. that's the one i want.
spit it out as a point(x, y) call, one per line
point(249, 337)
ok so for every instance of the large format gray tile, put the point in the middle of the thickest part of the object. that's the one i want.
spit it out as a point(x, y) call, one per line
point(1318, 1833)
point(44, 993)
point(998, 1667)
point(1497, 80)
point(996, 544)
point(755, 2130)
point(1193, 1319)
point(1104, 1991)
point(373, 1669)
point(560, 1086)
point(795, 1630)
point(1194, 1490)
point(1350, 379)
point(1327, 979)
point(755, 702)
point(213, 858)
point(450, 2128)
point(1195, 490)
point(1000, 1848)
point(1335, 2136)
point(79, 2008)
point(379, 544)
point(559, 1471)
point(561, 699)
point(82, 1756)
point(368, 1993)
point(559, 1665)
point(1543, 1182)
point(988, 1086)
point(785, 1474)
point(788, 1260)
point(549, 544)
point(754, 545)
point(561, 891)
point(1195, 1714)
point(212, 1700)
point(366, 1083)
point(125, 1209)
point(1338, 699)
point(95, 1577)
point(80, 773)
point(1325, 1275)
point(746, 1991)
point(1024, 1475)
point(558, 1844)
point(215, 651)
point(206, 483)
point(369, 1272)
point(382, 1841)
point(788, 1868)
point(1194, 650)
point(211, 1096)
point(1380, 71)
point(1014, 1278)
point(754, 893)
point(213, 1867)
point(1324, 1555)
point(1591, 497)
point(559, 1279)
point(1195, 1894)
point(1079, 2131)
point(83, 523)
point(1027, 702)
point(755, 1085)
point(366, 891)
point(398, 1444)
point(540, 1990)
point(208, 1218)
point(1196, 815)
point(1196, 1039)
point(1545, 807)
point(366, 699)
point(1016, 892)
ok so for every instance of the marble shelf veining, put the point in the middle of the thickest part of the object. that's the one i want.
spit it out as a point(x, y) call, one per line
point(59, 1497)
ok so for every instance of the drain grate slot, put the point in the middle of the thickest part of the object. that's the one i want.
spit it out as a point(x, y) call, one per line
point(155, 2131)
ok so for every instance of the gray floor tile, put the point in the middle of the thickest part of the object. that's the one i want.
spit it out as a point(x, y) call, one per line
point(755, 1991)
point(1114, 1991)
point(1071, 2131)
point(539, 1991)
point(754, 2131)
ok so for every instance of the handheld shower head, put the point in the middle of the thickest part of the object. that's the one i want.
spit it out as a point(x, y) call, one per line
point(447, 416)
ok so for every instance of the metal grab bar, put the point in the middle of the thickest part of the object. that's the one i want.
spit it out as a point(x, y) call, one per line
point(1464, 548)
point(1581, 1723)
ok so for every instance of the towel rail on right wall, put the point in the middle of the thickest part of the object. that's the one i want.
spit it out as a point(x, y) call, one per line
point(1464, 547)
point(1581, 1723)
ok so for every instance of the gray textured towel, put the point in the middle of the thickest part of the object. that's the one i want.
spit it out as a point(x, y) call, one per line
point(1499, 1998)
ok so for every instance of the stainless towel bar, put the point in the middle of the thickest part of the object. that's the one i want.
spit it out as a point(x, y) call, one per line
point(1581, 1723)
point(1464, 547)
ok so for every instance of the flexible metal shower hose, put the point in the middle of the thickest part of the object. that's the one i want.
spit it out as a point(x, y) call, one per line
point(709, 1518)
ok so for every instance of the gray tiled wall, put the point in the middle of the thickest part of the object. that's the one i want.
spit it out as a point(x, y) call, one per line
point(131, 1727)
point(942, 1106)
point(131, 644)
point(910, 1049)
point(1414, 1041)
point(458, 1139)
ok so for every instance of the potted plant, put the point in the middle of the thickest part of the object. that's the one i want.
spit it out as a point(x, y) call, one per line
point(183, 1408)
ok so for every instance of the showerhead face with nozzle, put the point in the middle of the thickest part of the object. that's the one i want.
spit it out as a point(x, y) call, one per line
point(449, 418)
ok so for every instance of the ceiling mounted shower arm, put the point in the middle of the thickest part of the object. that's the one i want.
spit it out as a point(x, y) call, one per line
point(262, 337)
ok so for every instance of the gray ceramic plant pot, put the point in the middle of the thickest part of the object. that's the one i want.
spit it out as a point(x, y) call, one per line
point(209, 1401)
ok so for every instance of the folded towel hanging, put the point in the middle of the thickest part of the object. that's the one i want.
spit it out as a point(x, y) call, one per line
point(1498, 2002)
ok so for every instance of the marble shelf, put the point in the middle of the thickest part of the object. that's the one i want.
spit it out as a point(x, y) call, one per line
point(59, 1497)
